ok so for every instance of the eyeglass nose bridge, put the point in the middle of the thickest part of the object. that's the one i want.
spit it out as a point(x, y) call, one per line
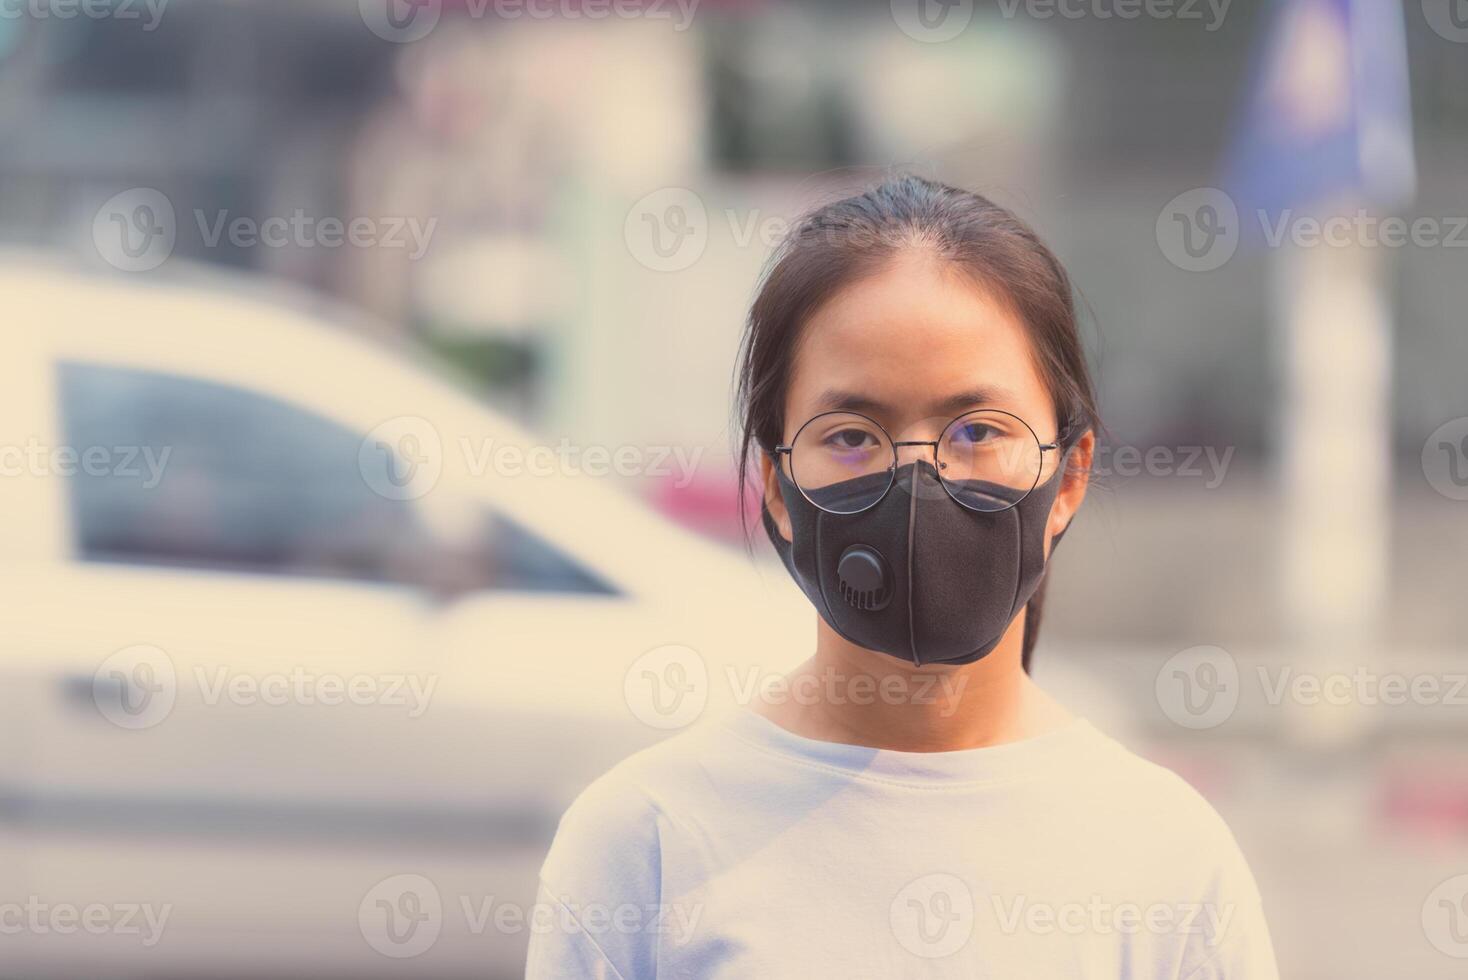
point(932, 443)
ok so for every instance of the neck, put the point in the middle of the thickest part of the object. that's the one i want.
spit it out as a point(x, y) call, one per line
point(845, 693)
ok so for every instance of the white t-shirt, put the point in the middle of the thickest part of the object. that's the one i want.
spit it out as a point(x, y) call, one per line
point(739, 849)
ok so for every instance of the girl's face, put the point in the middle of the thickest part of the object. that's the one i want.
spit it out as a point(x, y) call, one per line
point(914, 347)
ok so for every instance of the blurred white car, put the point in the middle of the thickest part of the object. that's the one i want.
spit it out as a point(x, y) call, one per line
point(295, 678)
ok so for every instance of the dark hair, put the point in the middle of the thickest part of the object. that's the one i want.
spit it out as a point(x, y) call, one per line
point(842, 242)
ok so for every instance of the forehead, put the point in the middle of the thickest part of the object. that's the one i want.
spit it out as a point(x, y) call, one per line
point(918, 340)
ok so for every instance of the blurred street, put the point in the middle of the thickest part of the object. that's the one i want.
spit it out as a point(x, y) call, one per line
point(365, 440)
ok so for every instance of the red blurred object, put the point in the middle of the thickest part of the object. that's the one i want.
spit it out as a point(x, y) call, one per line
point(1210, 776)
point(709, 505)
point(1425, 804)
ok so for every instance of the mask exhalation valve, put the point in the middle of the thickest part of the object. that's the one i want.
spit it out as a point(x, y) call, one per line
point(862, 575)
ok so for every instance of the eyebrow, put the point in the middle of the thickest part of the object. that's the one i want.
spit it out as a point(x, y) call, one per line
point(839, 400)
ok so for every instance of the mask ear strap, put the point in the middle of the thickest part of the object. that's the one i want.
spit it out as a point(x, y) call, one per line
point(1066, 439)
point(1055, 538)
point(1036, 605)
point(767, 520)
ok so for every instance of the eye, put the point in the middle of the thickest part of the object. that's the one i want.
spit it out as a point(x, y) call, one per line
point(847, 440)
point(975, 433)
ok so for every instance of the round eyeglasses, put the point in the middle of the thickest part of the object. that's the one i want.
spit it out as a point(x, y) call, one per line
point(844, 463)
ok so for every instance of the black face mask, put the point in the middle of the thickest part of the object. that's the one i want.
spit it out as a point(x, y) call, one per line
point(918, 576)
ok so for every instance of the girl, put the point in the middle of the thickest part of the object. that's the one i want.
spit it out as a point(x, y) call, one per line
point(914, 390)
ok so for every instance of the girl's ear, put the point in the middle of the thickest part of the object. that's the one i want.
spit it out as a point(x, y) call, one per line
point(1073, 483)
point(774, 500)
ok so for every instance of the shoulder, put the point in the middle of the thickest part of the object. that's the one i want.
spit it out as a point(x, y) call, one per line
point(613, 833)
point(1159, 831)
point(1154, 797)
point(602, 883)
point(1181, 848)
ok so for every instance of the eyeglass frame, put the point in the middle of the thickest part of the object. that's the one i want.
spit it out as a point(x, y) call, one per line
point(789, 451)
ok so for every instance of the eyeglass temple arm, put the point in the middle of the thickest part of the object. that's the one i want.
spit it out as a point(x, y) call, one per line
point(778, 450)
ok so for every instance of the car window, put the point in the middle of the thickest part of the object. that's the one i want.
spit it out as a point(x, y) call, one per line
point(190, 472)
